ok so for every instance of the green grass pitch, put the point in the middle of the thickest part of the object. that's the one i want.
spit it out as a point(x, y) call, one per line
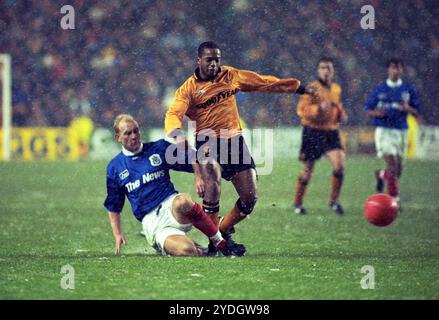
point(52, 215)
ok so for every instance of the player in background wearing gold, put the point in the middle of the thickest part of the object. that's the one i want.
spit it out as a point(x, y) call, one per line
point(208, 98)
point(321, 116)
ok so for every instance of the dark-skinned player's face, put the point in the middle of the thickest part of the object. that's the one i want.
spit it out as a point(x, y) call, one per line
point(325, 71)
point(129, 135)
point(209, 63)
point(394, 71)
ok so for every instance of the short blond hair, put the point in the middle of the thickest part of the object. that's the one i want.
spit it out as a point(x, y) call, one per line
point(120, 118)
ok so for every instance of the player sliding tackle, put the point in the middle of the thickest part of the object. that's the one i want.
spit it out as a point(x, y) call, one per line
point(140, 172)
point(208, 98)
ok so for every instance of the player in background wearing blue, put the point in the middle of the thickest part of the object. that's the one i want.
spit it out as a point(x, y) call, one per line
point(388, 106)
point(140, 172)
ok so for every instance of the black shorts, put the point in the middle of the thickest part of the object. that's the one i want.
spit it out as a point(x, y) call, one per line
point(232, 154)
point(315, 143)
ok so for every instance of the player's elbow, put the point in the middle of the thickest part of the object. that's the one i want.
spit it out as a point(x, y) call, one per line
point(172, 125)
point(173, 132)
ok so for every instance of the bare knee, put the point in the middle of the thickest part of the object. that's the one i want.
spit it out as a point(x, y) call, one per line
point(250, 198)
point(338, 170)
point(182, 205)
point(306, 175)
point(304, 178)
point(247, 204)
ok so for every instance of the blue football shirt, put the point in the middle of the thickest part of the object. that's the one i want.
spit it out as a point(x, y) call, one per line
point(143, 178)
point(389, 97)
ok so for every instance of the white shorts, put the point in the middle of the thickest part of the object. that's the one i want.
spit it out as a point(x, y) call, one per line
point(391, 142)
point(160, 223)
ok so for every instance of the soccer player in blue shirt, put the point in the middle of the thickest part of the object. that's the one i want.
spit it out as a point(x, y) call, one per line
point(140, 172)
point(388, 106)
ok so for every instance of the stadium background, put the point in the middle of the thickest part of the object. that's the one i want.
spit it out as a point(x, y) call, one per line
point(130, 56)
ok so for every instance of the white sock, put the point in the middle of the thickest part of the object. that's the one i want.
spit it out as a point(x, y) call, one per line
point(216, 238)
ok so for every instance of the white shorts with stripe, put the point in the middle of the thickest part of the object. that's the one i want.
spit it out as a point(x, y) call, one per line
point(160, 223)
point(391, 142)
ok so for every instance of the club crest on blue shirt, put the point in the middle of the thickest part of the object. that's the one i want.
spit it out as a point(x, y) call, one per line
point(405, 96)
point(155, 160)
point(124, 174)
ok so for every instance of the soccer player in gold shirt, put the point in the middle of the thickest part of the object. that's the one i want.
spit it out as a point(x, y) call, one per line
point(321, 116)
point(208, 98)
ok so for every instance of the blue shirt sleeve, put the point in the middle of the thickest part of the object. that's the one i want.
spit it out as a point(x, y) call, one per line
point(115, 193)
point(372, 101)
point(178, 161)
point(414, 99)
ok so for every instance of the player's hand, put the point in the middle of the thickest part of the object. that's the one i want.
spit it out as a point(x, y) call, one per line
point(199, 186)
point(311, 90)
point(325, 105)
point(404, 107)
point(119, 241)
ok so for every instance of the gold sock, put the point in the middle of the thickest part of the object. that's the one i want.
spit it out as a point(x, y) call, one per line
point(232, 218)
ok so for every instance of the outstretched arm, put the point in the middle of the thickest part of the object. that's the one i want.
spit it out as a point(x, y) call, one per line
point(114, 205)
point(249, 81)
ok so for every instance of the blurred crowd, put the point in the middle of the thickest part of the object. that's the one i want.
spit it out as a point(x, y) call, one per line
point(131, 56)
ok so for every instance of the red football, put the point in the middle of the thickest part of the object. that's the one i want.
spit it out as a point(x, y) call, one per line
point(380, 209)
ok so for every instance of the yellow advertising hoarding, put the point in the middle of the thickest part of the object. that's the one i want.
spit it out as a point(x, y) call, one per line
point(43, 144)
point(63, 143)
